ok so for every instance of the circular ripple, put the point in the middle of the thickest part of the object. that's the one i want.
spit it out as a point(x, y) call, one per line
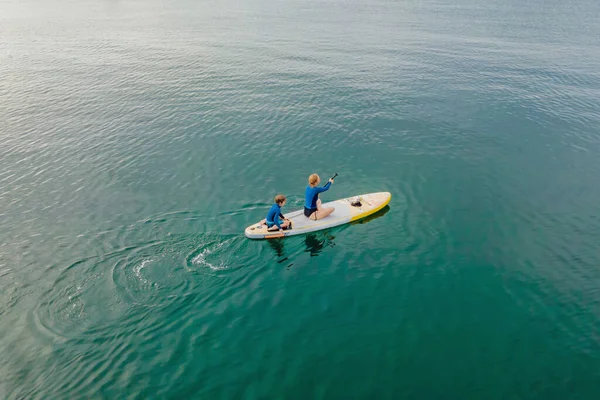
point(95, 292)
point(149, 276)
point(77, 300)
point(214, 254)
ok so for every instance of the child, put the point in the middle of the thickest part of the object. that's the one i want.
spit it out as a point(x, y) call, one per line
point(275, 218)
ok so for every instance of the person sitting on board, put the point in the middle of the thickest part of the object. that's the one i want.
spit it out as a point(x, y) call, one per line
point(275, 218)
point(312, 206)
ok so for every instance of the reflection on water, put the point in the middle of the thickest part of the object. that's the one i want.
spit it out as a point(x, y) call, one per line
point(314, 244)
point(277, 245)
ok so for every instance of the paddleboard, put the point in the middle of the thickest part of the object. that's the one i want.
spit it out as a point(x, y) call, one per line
point(344, 213)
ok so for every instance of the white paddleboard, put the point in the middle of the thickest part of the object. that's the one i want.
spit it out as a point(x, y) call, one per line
point(344, 213)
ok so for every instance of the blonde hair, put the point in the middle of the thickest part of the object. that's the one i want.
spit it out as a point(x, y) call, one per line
point(279, 198)
point(313, 179)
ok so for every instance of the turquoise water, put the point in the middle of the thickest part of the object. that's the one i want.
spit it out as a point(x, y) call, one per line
point(139, 138)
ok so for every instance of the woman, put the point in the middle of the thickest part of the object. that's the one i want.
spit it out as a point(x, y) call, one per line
point(312, 205)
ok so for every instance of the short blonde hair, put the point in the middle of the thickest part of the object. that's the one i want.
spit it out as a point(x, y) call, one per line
point(280, 198)
point(313, 179)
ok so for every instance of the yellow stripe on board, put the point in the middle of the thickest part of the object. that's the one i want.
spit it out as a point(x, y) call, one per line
point(373, 211)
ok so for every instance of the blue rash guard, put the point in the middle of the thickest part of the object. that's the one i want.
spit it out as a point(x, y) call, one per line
point(312, 195)
point(274, 216)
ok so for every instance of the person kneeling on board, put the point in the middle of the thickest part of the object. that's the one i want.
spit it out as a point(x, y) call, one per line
point(312, 206)
point(275, 218)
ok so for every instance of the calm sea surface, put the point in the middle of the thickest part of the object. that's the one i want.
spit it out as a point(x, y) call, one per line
point(139, 138)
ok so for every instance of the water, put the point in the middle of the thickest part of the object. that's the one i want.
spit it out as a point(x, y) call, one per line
point(138, 139)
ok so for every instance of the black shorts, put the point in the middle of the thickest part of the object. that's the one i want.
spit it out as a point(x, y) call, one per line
point(308, 211)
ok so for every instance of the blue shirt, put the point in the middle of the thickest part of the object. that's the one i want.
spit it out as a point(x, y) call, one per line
point(274, 215)
point(312, 194)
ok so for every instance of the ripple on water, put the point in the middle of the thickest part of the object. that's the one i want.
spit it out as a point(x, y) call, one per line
point(97, 291)
point(65, 309)
point(93, 311)
point(149, 276)
point(215, 254)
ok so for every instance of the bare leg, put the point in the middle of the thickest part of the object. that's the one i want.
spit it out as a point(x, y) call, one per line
point(321, 213)
point(284, 225)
